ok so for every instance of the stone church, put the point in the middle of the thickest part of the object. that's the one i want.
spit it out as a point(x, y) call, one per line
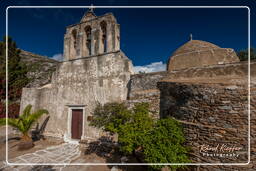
point(95, 70)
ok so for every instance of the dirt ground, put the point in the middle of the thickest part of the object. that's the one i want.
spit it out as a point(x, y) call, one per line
point(94, 158)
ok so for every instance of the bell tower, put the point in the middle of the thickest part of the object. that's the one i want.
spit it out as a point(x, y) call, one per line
point(94, 35)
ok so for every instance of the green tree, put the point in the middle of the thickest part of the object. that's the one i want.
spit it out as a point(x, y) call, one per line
point(160, 141)
point(16, 70)
point(243, 54)
point(25, 121)
point(17, 78)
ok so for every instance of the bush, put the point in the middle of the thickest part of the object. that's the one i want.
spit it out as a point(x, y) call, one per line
point(243, 54)
point(132, 135)
point(110, 116)
point(158, 141)
point(165, 144)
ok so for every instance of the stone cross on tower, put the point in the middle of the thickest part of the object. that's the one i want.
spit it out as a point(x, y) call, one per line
point(91, 8)
point(191, 36)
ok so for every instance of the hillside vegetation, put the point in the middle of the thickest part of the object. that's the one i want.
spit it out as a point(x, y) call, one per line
point(25, 69)
point(243, 54)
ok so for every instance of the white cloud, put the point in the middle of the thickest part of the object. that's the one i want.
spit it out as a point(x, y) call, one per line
point(153, 67)
point(58, 57)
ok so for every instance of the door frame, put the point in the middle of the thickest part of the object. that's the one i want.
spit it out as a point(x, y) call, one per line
point(69, 124)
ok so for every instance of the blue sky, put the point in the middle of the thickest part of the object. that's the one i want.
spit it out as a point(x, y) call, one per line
point(147, 35)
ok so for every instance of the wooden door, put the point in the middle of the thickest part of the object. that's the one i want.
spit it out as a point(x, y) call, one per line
point(77, 123)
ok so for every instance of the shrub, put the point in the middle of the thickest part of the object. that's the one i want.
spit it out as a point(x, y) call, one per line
point(158, 141)
point(164, 144)
point(110, 116)
point(243, 54)
point(133, 134)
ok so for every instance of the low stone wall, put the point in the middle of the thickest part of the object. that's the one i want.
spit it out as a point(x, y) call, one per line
point(212, 115)
point(143, 88)
point(145, 81)
point(152, 97)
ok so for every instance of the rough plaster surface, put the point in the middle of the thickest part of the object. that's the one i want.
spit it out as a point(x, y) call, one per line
point(86, 82)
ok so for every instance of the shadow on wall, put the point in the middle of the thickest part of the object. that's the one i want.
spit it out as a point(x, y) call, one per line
point(172, 99)
point(128, 86)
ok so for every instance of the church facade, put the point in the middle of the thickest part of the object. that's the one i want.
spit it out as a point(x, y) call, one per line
point(95, 70)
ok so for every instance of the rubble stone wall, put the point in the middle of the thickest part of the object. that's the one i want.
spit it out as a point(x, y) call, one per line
point(212, 115)
point(143, 88)
point(238, 69)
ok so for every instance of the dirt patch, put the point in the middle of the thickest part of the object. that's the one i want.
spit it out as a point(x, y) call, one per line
point(95, 158)
point(104, 150)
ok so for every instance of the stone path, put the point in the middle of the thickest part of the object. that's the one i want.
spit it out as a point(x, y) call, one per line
point(63, 153)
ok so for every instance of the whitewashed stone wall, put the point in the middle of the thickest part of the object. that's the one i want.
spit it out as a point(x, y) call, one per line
point(83, 82)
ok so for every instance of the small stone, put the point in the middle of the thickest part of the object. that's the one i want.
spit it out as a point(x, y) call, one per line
point(212, 101)
point(212, 119)
point(227, 126)
point(218, 135)
point(225, 107)
point(214, 92)
point(233, 111)
point(222, 131)
point(233, 87)
point(205, 97)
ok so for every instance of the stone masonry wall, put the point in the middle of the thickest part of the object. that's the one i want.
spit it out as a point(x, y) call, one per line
point(211, 114)
point(239, 69)
point(143, 88)
point(145, 81)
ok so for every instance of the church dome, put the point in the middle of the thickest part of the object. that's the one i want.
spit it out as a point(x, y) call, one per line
point(198, 53)
point(195, 45)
